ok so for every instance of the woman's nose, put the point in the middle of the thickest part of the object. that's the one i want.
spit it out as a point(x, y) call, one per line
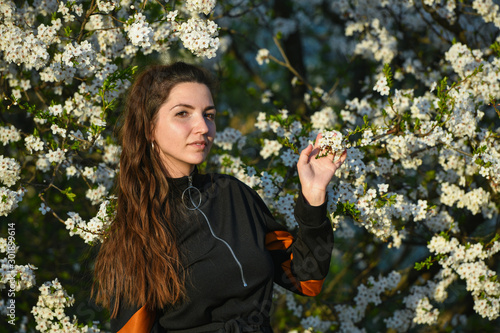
point(201, 125)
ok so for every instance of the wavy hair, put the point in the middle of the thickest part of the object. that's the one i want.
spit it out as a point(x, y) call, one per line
point(139, 262)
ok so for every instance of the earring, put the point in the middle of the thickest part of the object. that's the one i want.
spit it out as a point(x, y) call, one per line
point(152, 145)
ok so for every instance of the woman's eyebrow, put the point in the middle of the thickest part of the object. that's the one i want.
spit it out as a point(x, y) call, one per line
point(188, 106)
point(182, 105)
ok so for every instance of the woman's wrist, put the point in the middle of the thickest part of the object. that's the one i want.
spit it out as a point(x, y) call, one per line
point(314, 197)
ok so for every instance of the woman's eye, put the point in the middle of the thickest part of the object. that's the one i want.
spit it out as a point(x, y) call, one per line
point(210, 116)
point(181, 114)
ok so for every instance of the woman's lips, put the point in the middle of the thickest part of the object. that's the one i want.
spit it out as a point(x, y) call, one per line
point(198, 144)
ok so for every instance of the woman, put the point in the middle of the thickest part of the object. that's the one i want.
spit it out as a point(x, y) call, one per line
point(189, 252)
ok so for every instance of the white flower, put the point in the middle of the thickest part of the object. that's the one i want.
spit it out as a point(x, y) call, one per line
point(261, 122)
point(112, 154)
point(324, 119)
point(10, 171)
point(33, 143)
point(96, 195)
point(381, 86)
point(200, 6)
point(56, 110)
point(172, 15)
point(331, 141)
point(9, 134)
point(44, 208)
point(140, 32)
point(266, 96)
point(56, 156)
point(270, 147)
point(289, 158)
point(200, 37)
point(262, 56)
point(107, 6)
point(58, 130)
point(227, 138)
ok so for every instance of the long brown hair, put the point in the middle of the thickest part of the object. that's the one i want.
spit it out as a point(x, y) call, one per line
point(139, 262)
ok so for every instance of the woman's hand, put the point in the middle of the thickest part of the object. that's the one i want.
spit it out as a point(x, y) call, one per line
point(316, 173)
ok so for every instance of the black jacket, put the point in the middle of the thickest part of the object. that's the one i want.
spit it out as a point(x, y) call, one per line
point(232, 250)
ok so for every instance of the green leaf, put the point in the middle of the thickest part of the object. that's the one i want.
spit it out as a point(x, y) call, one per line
point(67, 31)
point(388, 75)
point(424, 264)
point(71, 196)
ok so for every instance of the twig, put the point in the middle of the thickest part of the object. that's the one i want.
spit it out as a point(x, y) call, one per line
point(460, 151)
point(40, 195)
point(85, 20)
point(289, 173)
point(287, 63)
point(164, 9)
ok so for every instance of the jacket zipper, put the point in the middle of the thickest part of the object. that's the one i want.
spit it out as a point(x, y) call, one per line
point(190, 178)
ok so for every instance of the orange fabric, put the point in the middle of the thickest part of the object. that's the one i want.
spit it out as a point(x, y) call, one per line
point(278, 240)
point(141, 322)
point(309, 287)
point(281, 240)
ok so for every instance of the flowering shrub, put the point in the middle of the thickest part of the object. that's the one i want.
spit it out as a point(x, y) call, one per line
point(410, 89)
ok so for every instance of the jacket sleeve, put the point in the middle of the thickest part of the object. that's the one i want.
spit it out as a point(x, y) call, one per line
point(135, 320)
point(301, 263)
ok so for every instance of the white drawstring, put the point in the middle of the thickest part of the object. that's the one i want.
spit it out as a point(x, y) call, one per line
point(196, 207)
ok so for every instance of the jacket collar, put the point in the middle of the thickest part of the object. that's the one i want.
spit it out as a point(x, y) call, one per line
point(184, 182)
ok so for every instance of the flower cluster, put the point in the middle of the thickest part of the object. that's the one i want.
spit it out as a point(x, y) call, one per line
point(467, 262)
point(367, 294)
point(262, 56)
point(270, 148)
point(324, 119)
point(10, 171)
point(94, 230)
point(228, 137)
point(49, 311)
point(199, 36)
point(140, 33)
point(488, 10)
point(331, 142)
point(10, 200)
point(476, 200)
point(17, 277)
point(200, 6)
point(381, 86)
point(490, 159)
point(9, 134)
point(315, 324)
point(81, 56)
point(377, 43)
point(107, 6)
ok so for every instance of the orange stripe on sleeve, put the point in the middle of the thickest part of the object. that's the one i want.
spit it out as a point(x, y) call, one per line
point(141, 322)
point(281, 240)
point(309, 287)
point(278, 240)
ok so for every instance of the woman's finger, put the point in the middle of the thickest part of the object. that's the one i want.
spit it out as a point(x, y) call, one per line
point(341, 159)
point(318, 139)
point(304, 155)
point(333, 156)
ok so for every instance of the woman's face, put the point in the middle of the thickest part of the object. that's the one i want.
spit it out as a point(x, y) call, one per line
point(185, 128)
